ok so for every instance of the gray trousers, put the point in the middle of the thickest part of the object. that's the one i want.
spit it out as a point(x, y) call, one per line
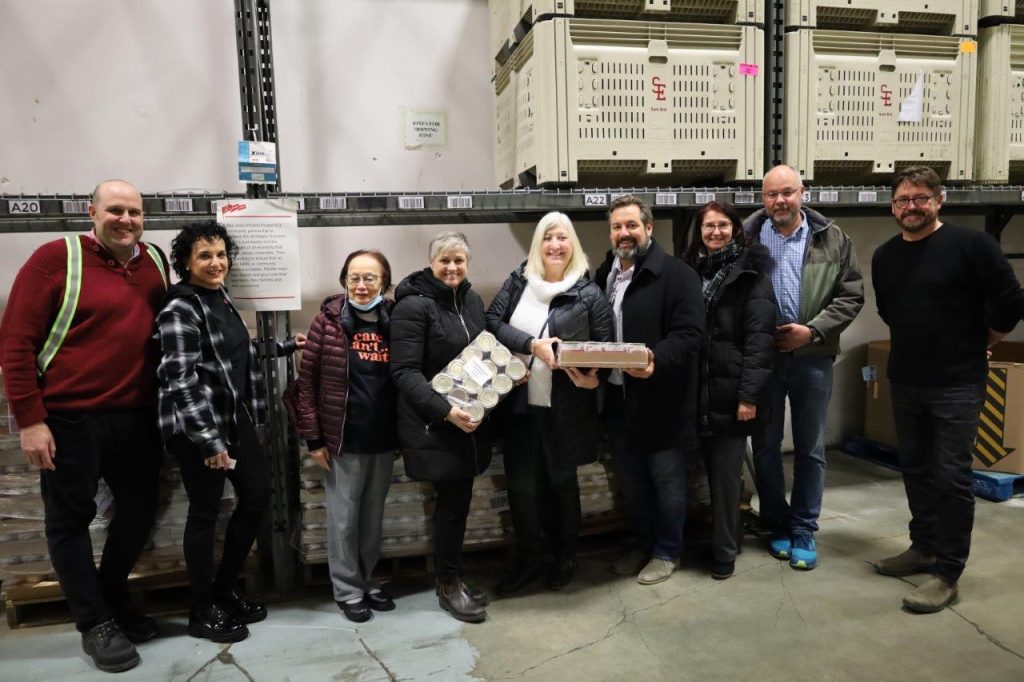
point(356, 487)
point(723, 458)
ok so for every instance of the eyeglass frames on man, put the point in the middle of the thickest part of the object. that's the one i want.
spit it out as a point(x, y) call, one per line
point(921, 200)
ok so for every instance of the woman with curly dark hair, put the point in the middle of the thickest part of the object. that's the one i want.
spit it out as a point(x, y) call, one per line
point(211, 400)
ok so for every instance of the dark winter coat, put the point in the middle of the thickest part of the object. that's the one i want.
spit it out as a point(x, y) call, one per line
point(739, 347)
point(322, 385)
point(431, 324)
point(580, 314)
point(663, 308)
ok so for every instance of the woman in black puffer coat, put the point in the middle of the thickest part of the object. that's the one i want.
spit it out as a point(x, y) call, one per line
point(550, 424)
point(436, 316)
point(737, 359)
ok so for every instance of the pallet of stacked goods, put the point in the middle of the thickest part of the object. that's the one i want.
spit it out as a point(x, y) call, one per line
point(939, 17)
point(596, 102)
point(511, 20)
point(25, 571)
point(409, 508)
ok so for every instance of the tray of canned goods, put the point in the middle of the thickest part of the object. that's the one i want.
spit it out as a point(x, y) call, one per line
point(602, 354)
point(480, 376)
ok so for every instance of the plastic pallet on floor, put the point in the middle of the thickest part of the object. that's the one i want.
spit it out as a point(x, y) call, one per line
point(865, 448)
point(996, 486)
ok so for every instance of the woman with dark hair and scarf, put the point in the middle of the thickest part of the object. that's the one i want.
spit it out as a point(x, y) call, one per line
point(736, 361)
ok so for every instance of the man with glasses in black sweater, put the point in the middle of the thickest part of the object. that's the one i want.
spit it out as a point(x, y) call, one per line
point(947, 293)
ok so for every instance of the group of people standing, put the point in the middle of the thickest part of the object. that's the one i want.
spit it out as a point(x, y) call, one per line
point(106, 364)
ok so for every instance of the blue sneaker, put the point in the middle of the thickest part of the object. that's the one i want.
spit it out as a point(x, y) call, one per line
point(779, 546)
point(803, 555)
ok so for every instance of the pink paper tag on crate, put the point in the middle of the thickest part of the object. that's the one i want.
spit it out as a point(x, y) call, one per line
point(750, 69)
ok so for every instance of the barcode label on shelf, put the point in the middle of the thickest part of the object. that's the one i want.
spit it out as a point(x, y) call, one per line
point(333, 203)
point(703, 197)
point(499, 501)
point(666, 199)
point(23, 207)
point(595, 199)
point(178, 205)
point(75, 206)
point(410, 202)
point(828, 196)
point(460, 202)
point(300, 203)
point(867, 197)
point(743, 198)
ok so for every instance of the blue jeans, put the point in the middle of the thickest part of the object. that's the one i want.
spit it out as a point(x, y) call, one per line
point(807, 380)
point(653, 485)
point(936, 428)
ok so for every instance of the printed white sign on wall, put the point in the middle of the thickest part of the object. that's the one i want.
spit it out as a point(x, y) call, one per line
point(265, 274)
point(426, 128)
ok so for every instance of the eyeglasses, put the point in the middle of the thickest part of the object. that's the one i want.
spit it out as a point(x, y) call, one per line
point(721, 227)
point(785, 194)
point(368, 280)
point(921, 200)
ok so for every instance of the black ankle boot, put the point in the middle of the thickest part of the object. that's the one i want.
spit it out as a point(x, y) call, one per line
point(562, 571)
point(525, 572)
point(453, 598)
point(214, 624)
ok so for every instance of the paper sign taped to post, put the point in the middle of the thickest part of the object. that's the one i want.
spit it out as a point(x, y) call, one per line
point(265, 274)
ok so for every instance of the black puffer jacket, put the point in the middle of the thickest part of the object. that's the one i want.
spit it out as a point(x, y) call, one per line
point(739, 348)
point(431, 324)
point(580, 314)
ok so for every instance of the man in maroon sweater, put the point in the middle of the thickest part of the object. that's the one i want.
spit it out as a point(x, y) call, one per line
point(91, 412)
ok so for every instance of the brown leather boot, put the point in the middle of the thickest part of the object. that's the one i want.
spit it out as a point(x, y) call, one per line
point(453, 598)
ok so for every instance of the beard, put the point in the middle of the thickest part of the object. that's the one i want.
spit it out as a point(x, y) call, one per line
point(632, 252)
point(915, 221)
point(783, 217)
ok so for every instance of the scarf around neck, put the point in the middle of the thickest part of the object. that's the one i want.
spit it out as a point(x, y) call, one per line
point(716, 267)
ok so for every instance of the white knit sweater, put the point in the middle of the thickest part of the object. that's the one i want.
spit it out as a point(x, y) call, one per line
point(529, 316)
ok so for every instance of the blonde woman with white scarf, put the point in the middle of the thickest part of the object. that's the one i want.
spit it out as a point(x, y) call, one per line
point(549, 425)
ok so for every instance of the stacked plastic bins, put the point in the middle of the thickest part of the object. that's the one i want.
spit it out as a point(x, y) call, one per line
point(999, 150)
point(628, 92)
point(872, 86)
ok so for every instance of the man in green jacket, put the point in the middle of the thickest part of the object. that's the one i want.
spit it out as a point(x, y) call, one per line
point(819, 290)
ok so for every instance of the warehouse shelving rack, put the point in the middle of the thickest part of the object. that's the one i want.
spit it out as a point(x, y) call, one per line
point(67, 213)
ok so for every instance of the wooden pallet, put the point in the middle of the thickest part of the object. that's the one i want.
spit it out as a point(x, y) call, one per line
point(996, 486)
point(156, 592)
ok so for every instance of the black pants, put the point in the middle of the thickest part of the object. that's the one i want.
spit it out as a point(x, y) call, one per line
point(123, 448)
point(540, 477)
point(723, 459)
point(205, 487)
point(451, 508)
point(936, 428)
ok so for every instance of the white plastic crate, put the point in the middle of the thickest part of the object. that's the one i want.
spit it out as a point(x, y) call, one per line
point(512, 19)
point(946, 17)
point(999, 149)
point(844, 92)
point(1002, 8)
point(590, 101)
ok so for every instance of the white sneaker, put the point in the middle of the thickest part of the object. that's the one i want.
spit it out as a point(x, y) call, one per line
point(657, 570)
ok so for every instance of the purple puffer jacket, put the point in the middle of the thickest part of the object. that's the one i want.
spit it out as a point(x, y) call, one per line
point(322, 386)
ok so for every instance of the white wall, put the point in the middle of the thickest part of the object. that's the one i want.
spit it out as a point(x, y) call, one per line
point(147, 91)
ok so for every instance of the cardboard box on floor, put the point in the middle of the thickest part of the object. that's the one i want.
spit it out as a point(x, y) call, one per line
point(1000, 445)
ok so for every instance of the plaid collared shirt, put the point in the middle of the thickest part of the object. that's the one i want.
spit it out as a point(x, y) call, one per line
point(196, 396)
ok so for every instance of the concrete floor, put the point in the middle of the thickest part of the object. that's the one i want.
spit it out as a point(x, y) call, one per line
point(839, 622)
